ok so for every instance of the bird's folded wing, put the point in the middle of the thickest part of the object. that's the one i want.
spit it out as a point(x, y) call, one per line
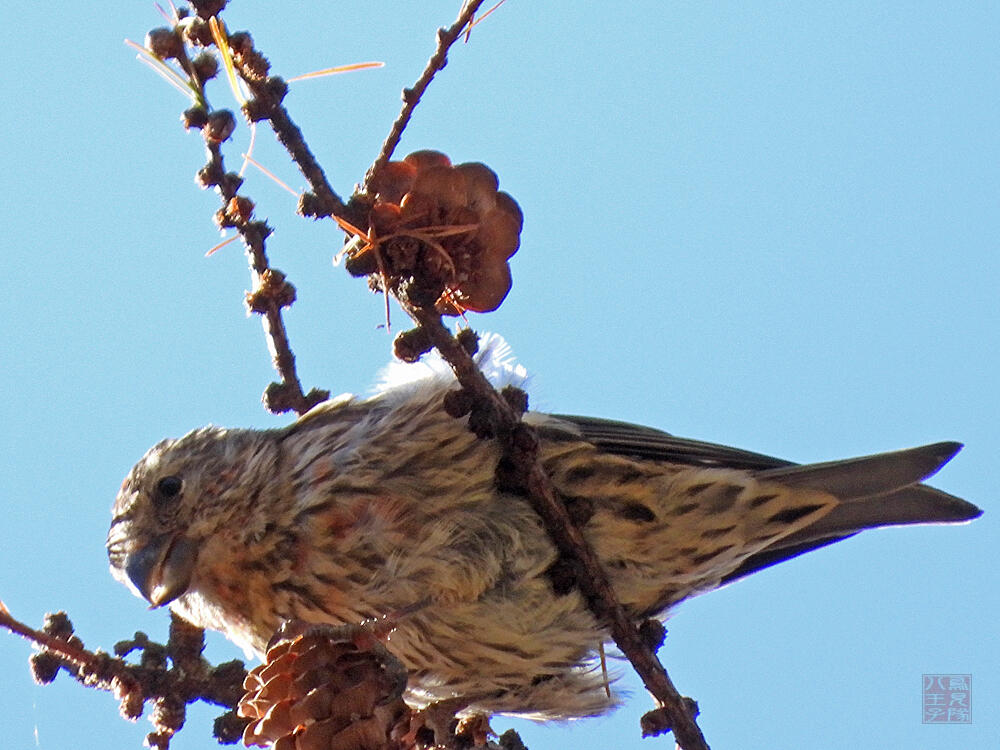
point(651, 444)
point(882, 490)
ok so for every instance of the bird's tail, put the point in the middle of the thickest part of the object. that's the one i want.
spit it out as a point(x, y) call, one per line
point(879, 490)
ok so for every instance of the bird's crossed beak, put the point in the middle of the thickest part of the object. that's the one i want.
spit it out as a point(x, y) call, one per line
point(161, 571)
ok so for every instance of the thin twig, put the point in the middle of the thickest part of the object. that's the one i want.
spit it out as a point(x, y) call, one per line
point(271, 292)
point(268, 92)
point(171, 675)
point(290, 137)
point(69, 652)
point(411, 96)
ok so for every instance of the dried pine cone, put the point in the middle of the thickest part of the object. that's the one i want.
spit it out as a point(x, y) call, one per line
point(440, 233)
point(326, 688)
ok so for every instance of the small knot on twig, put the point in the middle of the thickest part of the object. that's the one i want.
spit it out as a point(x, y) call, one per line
point(273, 293)
point(657, 721)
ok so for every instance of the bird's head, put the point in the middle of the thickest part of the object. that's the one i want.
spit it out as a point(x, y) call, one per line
point(176, 499)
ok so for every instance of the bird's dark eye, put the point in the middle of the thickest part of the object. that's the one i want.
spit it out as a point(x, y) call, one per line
point(168, 487)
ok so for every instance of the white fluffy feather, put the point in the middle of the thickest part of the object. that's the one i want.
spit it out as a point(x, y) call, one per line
point(495, 358)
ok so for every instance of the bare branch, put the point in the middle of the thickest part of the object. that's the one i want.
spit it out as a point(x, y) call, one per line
point(266, 104)
point(169, 676)
point(412, 96)
point(271, 291)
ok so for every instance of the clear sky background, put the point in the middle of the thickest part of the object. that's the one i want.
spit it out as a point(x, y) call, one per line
point(772, 225)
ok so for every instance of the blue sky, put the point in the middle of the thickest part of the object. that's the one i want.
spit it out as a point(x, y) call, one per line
point(768, 225)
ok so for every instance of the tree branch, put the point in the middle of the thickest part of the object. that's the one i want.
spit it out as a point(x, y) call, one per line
point(271, 291)
point(170, 676)
point(266, 104)
point(412, 96)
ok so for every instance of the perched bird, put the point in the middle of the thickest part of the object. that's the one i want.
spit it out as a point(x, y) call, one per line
point(389, 507)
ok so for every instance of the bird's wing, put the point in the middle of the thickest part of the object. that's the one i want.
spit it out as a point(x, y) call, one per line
point(647, 443)
point(882, 490)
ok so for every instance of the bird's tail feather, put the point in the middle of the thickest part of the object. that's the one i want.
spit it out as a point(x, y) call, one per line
point(880, 490)
point(869, 475)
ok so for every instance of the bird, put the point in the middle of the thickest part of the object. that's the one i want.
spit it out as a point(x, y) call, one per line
point(388, 507)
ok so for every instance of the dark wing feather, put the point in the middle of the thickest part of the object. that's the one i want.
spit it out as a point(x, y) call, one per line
point(636, 441)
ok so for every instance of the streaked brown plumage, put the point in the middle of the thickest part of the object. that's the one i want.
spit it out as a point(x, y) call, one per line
point(388, 506)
